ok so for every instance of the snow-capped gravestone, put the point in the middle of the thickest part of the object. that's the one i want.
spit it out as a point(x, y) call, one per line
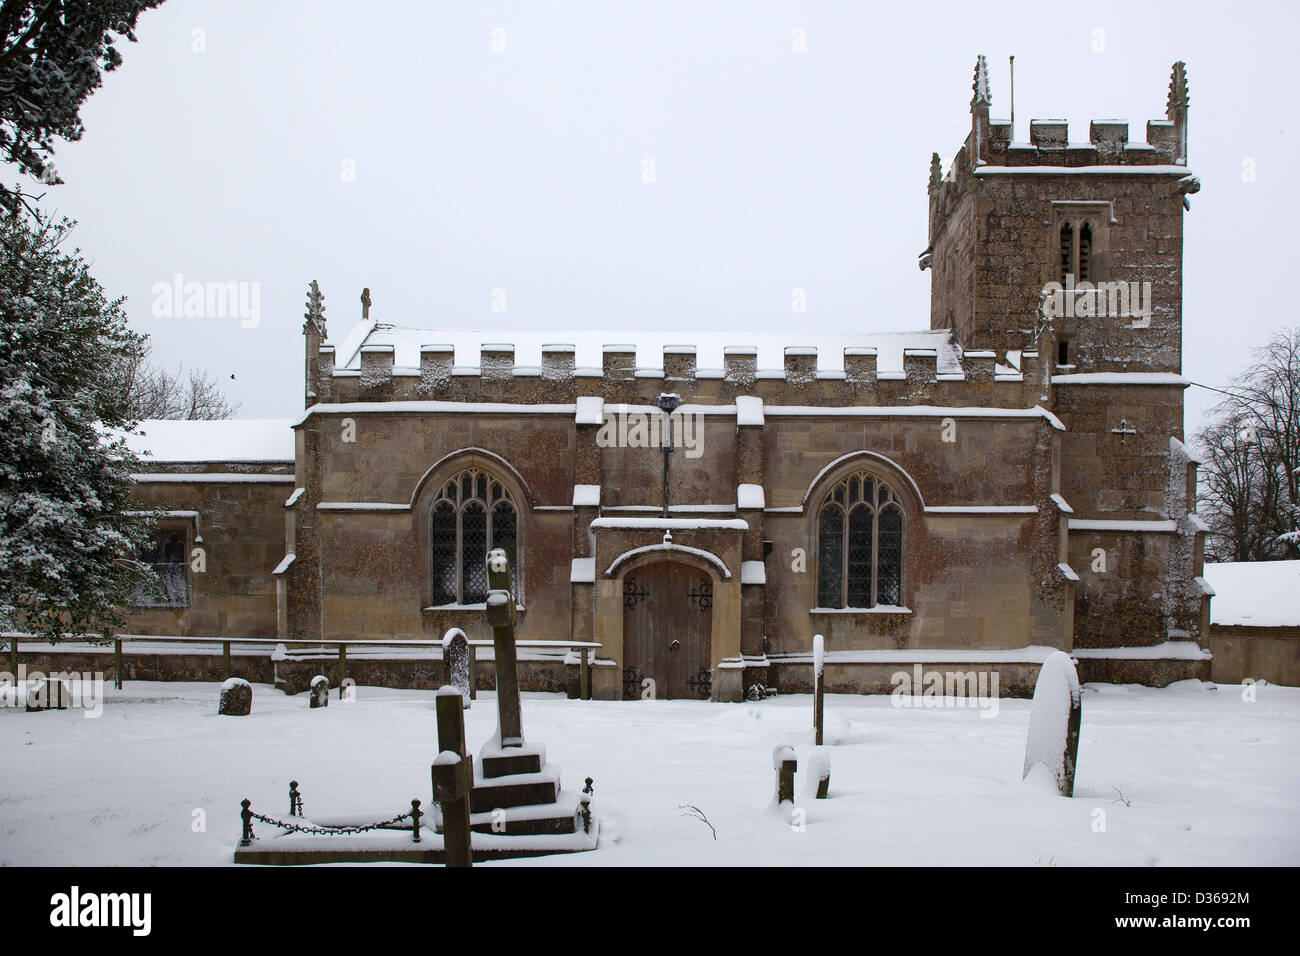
point(455, 660)
point(819, 688)
point(320, 691)
point(1054, 719)
point(236, 698)
point(453, 777)
point(819, 773)
point(47, 694)
point(785, 765)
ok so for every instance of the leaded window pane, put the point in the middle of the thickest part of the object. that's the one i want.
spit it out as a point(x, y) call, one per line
point(463, 530)
point(164, 577)
point(830, 557)
point(868, 490)
point(443, 543)
point(1067, 249)
point(473, 554)
point(503, 537)
point(860, 557)
point(1085, 252)
point(855, 490)
point(889, 576)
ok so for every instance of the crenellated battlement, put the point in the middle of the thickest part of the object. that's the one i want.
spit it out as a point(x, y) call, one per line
point(1108, 144)
point(1110, 147)
point(916, 368)
point(1010, 217)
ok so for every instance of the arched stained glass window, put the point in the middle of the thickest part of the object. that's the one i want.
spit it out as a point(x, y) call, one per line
point(860, 544)
point(472, 515)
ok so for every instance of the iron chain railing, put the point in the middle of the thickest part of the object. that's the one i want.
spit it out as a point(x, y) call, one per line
point(247, 816)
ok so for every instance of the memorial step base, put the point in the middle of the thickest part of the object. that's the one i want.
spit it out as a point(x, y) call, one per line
point(562, 816)
point(515, 790)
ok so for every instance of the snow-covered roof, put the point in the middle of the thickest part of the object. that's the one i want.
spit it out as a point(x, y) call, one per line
point(239, 439)
point(1255, 593)
point(649, 344)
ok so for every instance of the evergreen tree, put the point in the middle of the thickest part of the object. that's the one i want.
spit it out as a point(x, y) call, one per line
point(53, 54)
point(68, 537)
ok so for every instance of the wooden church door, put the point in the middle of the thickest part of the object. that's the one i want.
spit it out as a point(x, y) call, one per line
point(667, 626)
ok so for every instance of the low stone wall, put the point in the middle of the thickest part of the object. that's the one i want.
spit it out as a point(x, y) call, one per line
point(1014, 679)
point(294, 676)
point(291, 676)
point(1258, 653)
point(1265, 655)
point(1152, 673)
point(256, 669)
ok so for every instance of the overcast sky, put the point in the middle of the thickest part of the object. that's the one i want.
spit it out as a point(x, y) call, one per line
point(388, 145)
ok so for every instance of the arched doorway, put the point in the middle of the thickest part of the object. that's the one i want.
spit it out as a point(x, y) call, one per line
point(667, 631)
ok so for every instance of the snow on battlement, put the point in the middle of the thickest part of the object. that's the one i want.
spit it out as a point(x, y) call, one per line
point(377, 353)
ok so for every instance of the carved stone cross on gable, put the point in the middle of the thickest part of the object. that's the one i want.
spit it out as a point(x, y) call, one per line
point(1124, 430)
point(501, 615)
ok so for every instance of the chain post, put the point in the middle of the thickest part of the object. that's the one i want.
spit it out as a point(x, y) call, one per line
point(247, 816)
point(415, 821)
point(587, 793)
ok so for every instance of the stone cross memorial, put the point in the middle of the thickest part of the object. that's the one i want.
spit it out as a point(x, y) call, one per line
point(501, 615)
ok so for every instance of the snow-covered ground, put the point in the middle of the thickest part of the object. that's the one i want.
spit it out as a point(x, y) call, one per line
point(1206, 778)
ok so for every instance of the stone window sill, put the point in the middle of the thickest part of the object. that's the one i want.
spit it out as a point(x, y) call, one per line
point(878, 609)
point(465, 607)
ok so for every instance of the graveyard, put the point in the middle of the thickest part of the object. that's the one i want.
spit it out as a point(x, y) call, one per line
point(1190, 774)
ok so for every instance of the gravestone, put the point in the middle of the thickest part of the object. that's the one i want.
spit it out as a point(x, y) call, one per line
point(1054, 719)
point(785, 765)
point(320, 691)
point(47, 694)
point(455, 660)
point(819, 687)
point(236, 698)
point(453, 777)
point(819, 773)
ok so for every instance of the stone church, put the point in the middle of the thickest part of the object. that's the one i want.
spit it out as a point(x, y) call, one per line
point(1009, 481)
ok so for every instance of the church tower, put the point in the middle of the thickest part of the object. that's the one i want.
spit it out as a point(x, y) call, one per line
point(1074, 249)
